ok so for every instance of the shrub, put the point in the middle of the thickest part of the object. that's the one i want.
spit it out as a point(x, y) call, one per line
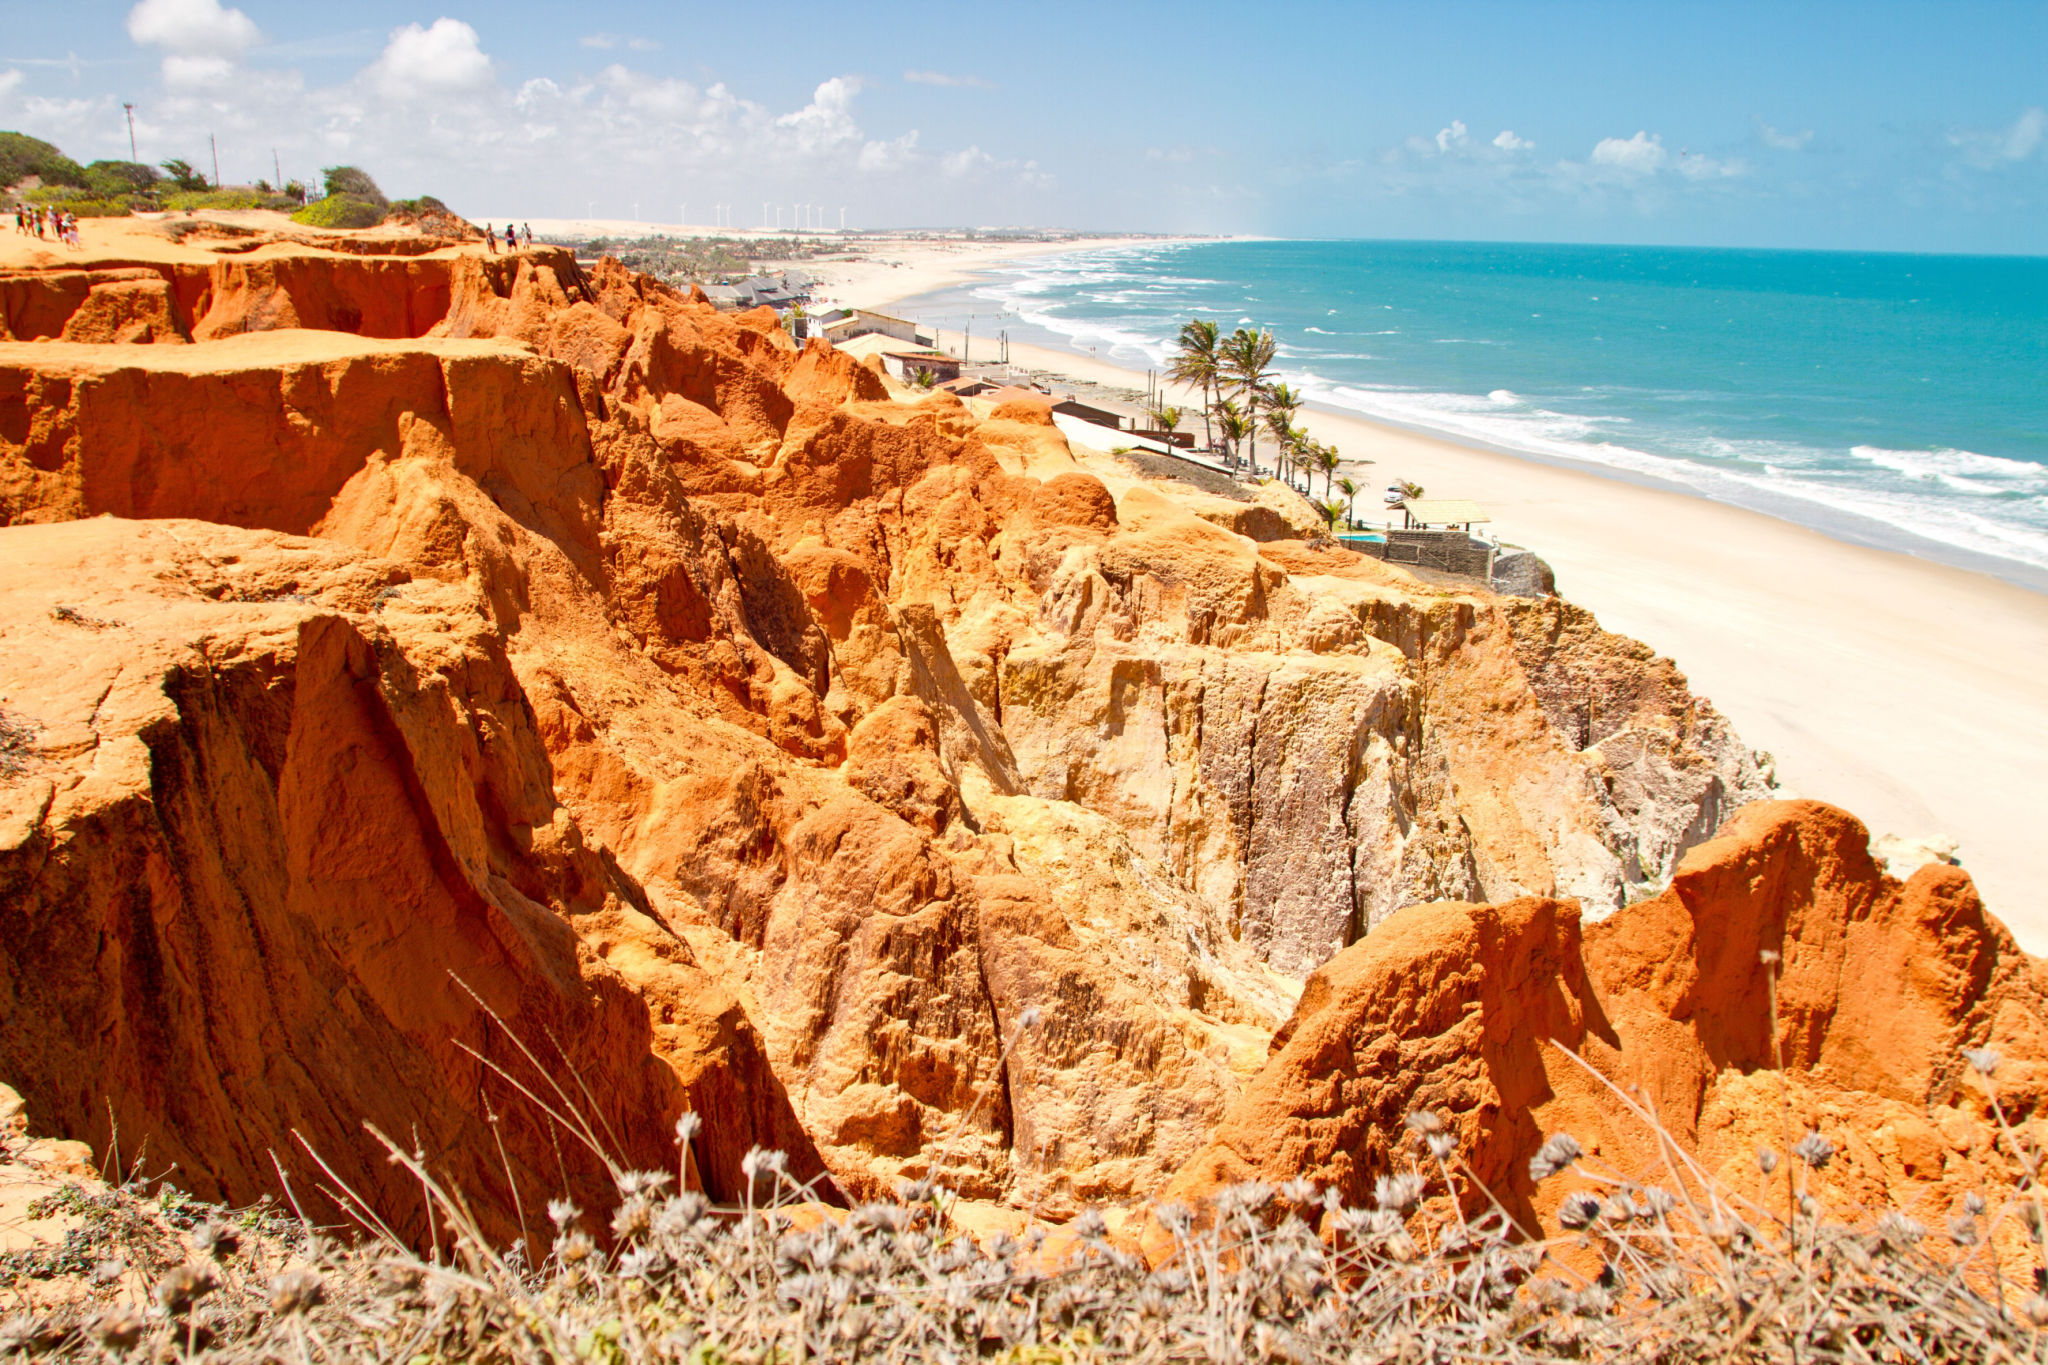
point(99, 208)
point(113, 179)
point(22, 156)
point(84, 203)
point(340, 211)
point(226, 199)
point(426, 206)
point(354, 182)
point(183, 176)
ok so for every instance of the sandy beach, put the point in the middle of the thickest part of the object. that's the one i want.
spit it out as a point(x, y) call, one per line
point(1908, 692)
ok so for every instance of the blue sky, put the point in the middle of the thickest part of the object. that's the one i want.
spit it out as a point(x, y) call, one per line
point(1868, 125)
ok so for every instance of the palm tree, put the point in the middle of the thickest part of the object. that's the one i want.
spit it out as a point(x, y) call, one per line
point(1233, 423)
point(1281, 405)
point(1350, 488)
point(1327, 460)
point(1196, 362)
point(1168, 419)
point(1247, 358)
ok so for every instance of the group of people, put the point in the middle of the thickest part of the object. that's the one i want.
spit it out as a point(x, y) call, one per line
point(46, 223)
point(511, 237)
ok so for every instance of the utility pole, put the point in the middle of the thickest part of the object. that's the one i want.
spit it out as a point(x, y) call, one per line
point(216, 159)
point(276, 169)
point(842, 217)
point(133, 155)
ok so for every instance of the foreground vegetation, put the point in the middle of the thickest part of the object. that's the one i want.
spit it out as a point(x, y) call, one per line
point(1689, 1272)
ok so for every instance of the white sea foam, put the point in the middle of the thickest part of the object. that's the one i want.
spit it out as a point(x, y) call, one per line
point(1965, 471)
point(1797, 473)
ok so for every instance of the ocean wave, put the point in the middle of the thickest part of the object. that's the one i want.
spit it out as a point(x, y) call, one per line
point(1964, 471)
point(1933, 517)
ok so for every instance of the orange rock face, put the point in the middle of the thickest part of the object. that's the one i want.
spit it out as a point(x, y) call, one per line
point(1465, 1010)
point(879, 780)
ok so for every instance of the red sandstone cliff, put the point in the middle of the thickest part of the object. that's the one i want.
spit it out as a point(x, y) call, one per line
point(871, 777)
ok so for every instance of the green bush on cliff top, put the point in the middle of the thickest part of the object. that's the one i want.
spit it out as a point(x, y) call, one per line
point(22, 156)
point(340, 211)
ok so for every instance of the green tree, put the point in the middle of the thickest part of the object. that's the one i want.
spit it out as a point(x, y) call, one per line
point(353, 181)
point(1323, 459)
point(117, 179)
point(1195, 361)
point(22, 156)
point(183, 175)
point(1247, 358)
point(1167, 419)
point(1349, 487)
point(1281, 405)
point(1233, 424)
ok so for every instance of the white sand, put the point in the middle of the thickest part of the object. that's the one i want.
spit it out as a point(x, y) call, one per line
point(1908, 692)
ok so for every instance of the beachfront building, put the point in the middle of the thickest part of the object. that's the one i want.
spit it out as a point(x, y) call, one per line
point(844, 324)
point(906, 365)
point(780, 290)
point(1442, 513)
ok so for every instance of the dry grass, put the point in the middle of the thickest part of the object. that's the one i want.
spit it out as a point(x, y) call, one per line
point(1681, 1273)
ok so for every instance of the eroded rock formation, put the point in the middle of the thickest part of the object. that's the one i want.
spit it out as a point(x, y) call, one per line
point(1468, 1011)
point(877, 778)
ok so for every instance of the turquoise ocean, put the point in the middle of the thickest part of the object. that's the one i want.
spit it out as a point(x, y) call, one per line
point(1893, 400)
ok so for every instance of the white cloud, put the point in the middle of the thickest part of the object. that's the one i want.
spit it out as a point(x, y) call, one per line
point(193, 28)
point(941, 78)
point(880, 158)
point(605, 42)
point(972, 162)
point(429, 109)
point(1453, 136)
point(1783, 142)
point(1508, 142)
point(827, 121)
point(442, 59)
point(1636, 155)
point(966, 161)
point(197, 73)
point(1709, 168)
point(2001, 146)
point(10, 81)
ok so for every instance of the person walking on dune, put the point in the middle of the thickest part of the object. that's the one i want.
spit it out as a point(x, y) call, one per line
point(491, 237)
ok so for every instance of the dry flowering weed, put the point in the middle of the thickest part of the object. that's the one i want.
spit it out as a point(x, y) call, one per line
point(1437, 1269)
point(1434, 1270)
